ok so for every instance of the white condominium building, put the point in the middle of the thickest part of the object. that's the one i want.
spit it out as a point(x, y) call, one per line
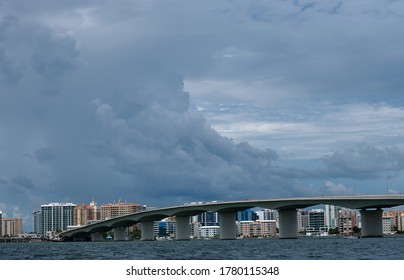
point(56, 217)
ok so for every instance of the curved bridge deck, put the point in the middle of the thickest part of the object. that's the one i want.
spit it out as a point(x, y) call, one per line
point(282, 204)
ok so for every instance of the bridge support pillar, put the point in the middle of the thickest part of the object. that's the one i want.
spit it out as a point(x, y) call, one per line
point(228, 228)
point(287, 223)
point(147, 231)
point(182, 228)
point(97, 236)
point(121, 234)
point(372, 223)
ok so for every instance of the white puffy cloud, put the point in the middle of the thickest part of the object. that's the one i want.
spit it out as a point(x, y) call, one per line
point(337, 188)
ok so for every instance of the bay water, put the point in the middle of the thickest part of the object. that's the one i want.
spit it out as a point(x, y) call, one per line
point(304, 248)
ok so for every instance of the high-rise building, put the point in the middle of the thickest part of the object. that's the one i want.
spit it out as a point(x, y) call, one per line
point(247, 215)
point(11, 227)
point(1, 215)
point(317, 223)
point(401, 223)
point(302, 220)
point(395, 215)
point(86, 214)
point(331, 216)
point(388, 224)
point(207, 219)
point(37, 221)
point(267, 214)
point(194, 229)
point(113, 210)
point(56, 217)
point(164, 228)
point(347, 221)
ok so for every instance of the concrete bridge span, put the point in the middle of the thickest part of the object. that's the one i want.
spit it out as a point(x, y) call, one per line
point(369, 205)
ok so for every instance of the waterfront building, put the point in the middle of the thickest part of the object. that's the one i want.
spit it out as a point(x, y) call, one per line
point(247, 215)
point(11, 227)
point(37, 221)
point(388, 225)
point(268, 215)
point(56, 217)
point(268, 227)
point(160, 228)
point(209, 232)
point(245, 228)
point(207, 218)
point(316, 223)
point(258, 228)
point(164, 228)
point(401, 223)
point(395, 215)
point(86, 214)
point(113, 210)
point(194, 229)
point(331, 216)
point(346, 221)
point(302, 221)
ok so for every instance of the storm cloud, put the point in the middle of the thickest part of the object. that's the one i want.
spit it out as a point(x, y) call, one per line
point(365, 161)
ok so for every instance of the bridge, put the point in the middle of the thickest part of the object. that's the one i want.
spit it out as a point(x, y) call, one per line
point(370, 207)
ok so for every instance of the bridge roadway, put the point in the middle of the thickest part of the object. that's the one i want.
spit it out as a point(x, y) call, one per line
point(370, 207)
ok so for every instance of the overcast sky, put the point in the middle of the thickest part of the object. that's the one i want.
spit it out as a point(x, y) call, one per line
point(167, 102)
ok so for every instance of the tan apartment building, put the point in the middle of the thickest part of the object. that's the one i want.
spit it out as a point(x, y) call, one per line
point(395, 216)
point(259, 228)
point(113, 210)
point(86, 214)
point(11, 227)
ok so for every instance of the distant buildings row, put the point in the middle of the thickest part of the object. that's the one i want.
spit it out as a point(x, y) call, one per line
point(56, 217)
point(250, 223)
point(265, 223)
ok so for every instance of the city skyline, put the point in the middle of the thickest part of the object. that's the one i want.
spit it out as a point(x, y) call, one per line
point(173, 102)
point(53, 218)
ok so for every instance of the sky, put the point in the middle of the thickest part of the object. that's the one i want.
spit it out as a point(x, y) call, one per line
point(167, 102)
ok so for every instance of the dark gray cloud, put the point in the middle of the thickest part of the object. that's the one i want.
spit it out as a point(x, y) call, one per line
point(364, 161)
point(159, 143)
point(44, 154)
point(305, 57)
point(10, 72)
point(18, 185)
point(29, 48)
point(22, 183)
point(55, 55)
point(3, 181)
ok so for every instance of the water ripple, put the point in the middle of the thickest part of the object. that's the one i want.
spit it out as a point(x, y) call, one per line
point(299, 249)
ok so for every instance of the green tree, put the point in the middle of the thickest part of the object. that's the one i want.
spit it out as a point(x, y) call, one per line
point(356, 230)
point(135, 234)
point(333, 231)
